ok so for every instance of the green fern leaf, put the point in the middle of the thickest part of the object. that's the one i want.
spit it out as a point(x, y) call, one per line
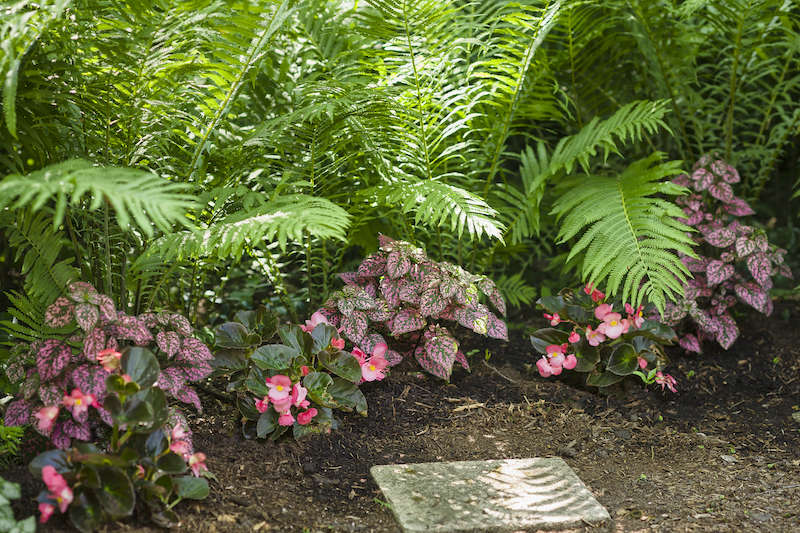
point(629, 235)
point(516, 292)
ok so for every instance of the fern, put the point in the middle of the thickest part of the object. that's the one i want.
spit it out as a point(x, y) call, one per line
point(629, 235)
point(135, 195)
point(515, 291)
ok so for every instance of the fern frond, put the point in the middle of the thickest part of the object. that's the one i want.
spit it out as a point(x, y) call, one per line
point(28, 324)
point(516, 292)
point(39, 247)
point(281, 219)
point(627, 123)
point(435, 202)
point(136, 196)
point(628, 234)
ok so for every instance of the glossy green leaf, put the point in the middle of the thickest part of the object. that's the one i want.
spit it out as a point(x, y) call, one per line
point(171, 463)
point(257, 382)
point(232, 335)
point(230, 359)
point(348, 396)
point(297, 338)
point(247, 407)
point(623, 360)
point(267, 423)
point(342, 364)
point(116, 494)
point(274, 356)
point(55, 458)
point(141, 365)
point(116, 385)
point(604, 380)
point(322, 335)
point(317, 384)
point(542, 338)
point(588, 356)
point(85, 512)
point(193, 488)
point(553, 304)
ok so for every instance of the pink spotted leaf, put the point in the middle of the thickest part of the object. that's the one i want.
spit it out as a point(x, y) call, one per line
point(722, 191)
point(381, 312)
point(82, 292)
point(437, 355)
point(702, 179)
point(51, 359)
point(721, 238)
point(393, 357)
point(87, 316)
point(91, 379)
point(193, 351)
point(18, 413)
point(370, 341)
point(406, 321)
point(30, 386)
point(448, 313)
point(384, 241)
point(133, 329)
point(497, 328)
point(181, 324)
point(745, 246)
point(702, 318)
point(682, 180)
point(410, 292)
point(59, 437)
point(331, 315)
point(761, 242)
point(349, 278)
point(699, 264)
point(188, 395)
point(738, 207)
point(390, 289)
point(94, 343)
point(195, 371)
point(59, 313)
point(106, 308)
point(432, 302)
point(172, 380)
point(462, 360)
point(753, 295)
point(52, 393)
point(397, 264)
point(15, 370)
point(355, 326)
point(727, 332)
point(690, 343)
point(760, 266)
point(168, 342)
point(77, 430)
point(373, 266)
point(717, 272)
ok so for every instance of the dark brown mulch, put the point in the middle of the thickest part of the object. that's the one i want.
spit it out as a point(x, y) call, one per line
point(721, 455)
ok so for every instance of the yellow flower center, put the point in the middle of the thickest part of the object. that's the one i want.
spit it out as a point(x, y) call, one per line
point(613, 323)
point(279, 387)
point(78, 401)
point(372, 367)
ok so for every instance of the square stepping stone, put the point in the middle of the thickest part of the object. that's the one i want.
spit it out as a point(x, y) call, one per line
point(504, 495)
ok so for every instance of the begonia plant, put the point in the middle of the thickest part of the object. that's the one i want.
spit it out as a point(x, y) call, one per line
point(735, 263)
point(401, 298)
point(82, 350)
point(136, 473)
point(608, 341)
point(295, 383)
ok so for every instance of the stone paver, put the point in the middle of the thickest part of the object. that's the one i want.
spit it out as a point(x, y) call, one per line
point(488, 496)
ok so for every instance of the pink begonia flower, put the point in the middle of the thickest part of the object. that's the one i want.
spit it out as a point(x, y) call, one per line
point(47, 511)
point(299, 394)
point(574, 337)
point(602, 310)
point(280, 387)
point(178, 445)
point(545, 370)
point(304, 370)
point(46, 416)
point(316, 319)
point(282, 406)
point(666, 380)
point(57, 485)
point(80, 402)
point(109, 358)
point(380, 350)
point(196, 463)
point(613, 325)
point(262, 404)
point(126, 378)
point(286, 419)
point(306, 416)
point(570, 362)
point(554, 319)
point(594, 336)
point(594, 293)
point(359, 355)
point(178, 433)
point(373, 369)
point(337, 343)
point(635, 315)
point(642, 363)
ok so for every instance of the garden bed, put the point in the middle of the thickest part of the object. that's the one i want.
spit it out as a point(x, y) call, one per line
point(723, 454)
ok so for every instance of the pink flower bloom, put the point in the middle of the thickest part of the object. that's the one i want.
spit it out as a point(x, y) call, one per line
point(380, 350)
point(337, 343)
point(46, 416)
point(642, 363)
point(554, 319)
point(282, 406)
point(594, 293)
point(80, 402)
point(373, 369)
point(109, 358)
point(666, 380)
point(574, 337)
point(262, 404)
point(178, 433)
point(570, 362)
point(316, 319)
point(594, 336)
point(613, 325)
point(286, 419)
point(178, 445)
point(299, 394)
point(280, 387)
point(196, 463)
point(47, 511)
point(545, 370)
point(64, 497)
point(57, 485)
point(602, 310)
point(305, 370)
point(635, 315)
point(306, 416)
point(359, 355)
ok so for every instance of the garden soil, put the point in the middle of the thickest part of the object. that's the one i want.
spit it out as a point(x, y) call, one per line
point(723, 454)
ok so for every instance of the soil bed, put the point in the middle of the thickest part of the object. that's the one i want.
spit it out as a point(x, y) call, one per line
point(721, 455)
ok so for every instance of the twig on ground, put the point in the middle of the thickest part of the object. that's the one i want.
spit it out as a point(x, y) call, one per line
point(499, 373)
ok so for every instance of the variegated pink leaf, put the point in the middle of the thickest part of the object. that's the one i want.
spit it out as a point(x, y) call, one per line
point(15, 371)
point(410, 292)
point(393, 357)
point(437, 355)
point(59, 438)
point(769, 307)
point(91, 379)
point(51, 394)
point(87, 316)
point(193, 351)
point(431, 301)
point(94, 343)
point(380, 313)
point(188, 395)
point(51, 359)
point(81, 291)
point(690, 343)
point(448, 313)
point(133, 329)
point(77, 430)
point(722, 191)
point(718, 272)
point(106, 417)
point(753, 295)
point(181, 324)
point(497, 328)
point(738, 207)
point(702, 179)
point(369, 342)
point(448, 287)
point(59, 313)
point(475, 319)
point(704, 160)
point(373, 265)
point(172, 380)
point(195, 371)
point(383, 240)
point(702, 318)
point(168, 342)
point(371, 287)
point(488, 287)
point(355, 326)
point(149, 319)
point(390, 289)
point(406, 321)
point(462, 360)
point(725, 171)
point(760, 266)
point(682, 180)
point(30, 386)
point(721, 238)
point(745, 246)
point(106, 308)
point(761, 243)
point(331, 315)
point(349, 278)
point(699, 264)
point(397, 264)
point(18, 413)
point(727, 332)
point(783, 270)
